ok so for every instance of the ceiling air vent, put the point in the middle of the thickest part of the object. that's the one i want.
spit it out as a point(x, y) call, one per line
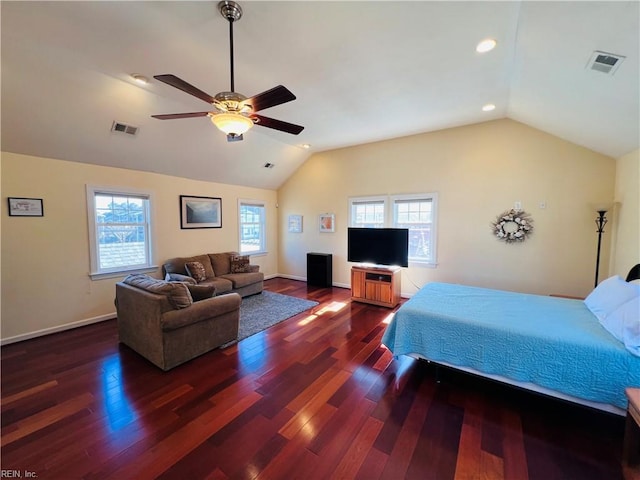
point(605, 62)
point(124, 128)
point(269, 165)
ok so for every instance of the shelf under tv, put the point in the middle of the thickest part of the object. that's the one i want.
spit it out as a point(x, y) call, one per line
point(377, 285)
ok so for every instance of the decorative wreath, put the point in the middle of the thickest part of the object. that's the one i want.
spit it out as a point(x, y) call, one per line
point(513, 226)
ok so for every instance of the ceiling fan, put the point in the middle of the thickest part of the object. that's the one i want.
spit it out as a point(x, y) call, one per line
point(234, 113)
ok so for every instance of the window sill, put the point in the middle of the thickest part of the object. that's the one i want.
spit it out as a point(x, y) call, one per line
point(423, 264)
point(261, 253)
point(122, 273)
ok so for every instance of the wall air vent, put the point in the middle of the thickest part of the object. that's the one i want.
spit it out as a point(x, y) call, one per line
point(124, 128)
point(605, 62)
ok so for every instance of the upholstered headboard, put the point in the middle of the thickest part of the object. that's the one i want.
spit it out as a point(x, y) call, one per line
point(634, 273)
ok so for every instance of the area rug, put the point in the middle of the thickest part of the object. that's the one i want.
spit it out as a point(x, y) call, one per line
point(259, 312)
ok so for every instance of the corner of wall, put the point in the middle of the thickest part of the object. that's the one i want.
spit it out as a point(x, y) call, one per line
point(625, 250)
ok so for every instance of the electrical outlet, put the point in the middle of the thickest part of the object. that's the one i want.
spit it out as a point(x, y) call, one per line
point(542, 204)
point(517, 205)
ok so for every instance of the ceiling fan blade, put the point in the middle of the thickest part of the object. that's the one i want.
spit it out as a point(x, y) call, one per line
point(276, 96)
point(184, 86)
point(277, 124)
point(172, 116)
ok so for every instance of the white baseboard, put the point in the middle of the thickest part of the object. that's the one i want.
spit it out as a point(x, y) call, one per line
point(334, 284)
point(304, 279)
point(58, 328)
point(109, 316)
point(273, 275)
point(291, 277)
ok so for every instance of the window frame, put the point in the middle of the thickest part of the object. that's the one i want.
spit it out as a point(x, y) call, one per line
point(433, 246)
point(96, 272)
point(390, 220)
point(263, 230)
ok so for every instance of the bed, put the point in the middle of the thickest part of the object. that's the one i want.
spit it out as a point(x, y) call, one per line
point(551, 345)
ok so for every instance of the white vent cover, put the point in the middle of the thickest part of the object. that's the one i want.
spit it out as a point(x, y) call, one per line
point(605, 62)
point(119, 127)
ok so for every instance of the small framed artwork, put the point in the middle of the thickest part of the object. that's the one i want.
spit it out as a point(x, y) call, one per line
point(25, 207)
point(200, 212)
point(327, 223)
point(295, 223)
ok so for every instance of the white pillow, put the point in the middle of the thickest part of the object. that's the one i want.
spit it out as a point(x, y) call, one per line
point(628, 316)
point(614, 322)
point(609, 295)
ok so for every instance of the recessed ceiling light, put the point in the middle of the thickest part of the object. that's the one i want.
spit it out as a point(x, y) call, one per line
point(488, 107)
point(486, 45)
point(141, 79)
point(306, 146)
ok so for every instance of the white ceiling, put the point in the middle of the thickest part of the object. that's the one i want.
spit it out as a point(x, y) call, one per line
point(361, 71)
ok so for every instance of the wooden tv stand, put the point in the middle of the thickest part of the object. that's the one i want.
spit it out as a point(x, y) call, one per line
point(376, 285)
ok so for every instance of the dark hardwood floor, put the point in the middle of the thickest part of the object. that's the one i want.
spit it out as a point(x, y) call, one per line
point(314, 397)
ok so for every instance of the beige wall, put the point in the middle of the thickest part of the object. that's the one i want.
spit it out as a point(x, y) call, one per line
point(45, 261)
point(625, 229)
point(478, 172)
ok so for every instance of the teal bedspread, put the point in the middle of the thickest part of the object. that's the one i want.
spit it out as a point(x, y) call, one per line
point(552, 342)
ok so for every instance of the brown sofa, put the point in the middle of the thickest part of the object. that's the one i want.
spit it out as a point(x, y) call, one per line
point(161, 322)
point(217, 268)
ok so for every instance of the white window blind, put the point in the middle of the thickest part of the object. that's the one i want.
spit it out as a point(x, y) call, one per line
point(367, 212)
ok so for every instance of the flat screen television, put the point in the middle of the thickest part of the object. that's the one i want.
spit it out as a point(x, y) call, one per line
point(380, 246)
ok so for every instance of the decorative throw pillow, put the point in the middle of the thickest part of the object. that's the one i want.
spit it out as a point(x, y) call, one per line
point(176, 277)
point(196, 270)
point(201, 292)
point(240, 264)
point(179, 295)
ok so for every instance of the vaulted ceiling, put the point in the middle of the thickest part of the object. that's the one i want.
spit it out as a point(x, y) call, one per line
point(361, 71)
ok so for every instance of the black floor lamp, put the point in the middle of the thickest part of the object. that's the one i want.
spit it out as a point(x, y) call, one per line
point(601, 221)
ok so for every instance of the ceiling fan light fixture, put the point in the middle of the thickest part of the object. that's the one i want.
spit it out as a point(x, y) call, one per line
point(232, 123)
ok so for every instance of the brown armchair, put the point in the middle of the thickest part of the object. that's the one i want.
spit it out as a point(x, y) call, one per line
point(160, 321)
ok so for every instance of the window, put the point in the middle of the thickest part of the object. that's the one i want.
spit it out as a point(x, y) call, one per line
point(120, 231)
point(252, 227)
point(367, 212)
point(415, 212)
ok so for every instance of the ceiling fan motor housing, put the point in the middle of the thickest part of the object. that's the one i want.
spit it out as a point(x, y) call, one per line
point(231, 102)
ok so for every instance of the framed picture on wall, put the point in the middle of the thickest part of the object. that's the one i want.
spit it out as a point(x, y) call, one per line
point(200, 212)
point(295, 223)
point(327, 222)
point(25, 207)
